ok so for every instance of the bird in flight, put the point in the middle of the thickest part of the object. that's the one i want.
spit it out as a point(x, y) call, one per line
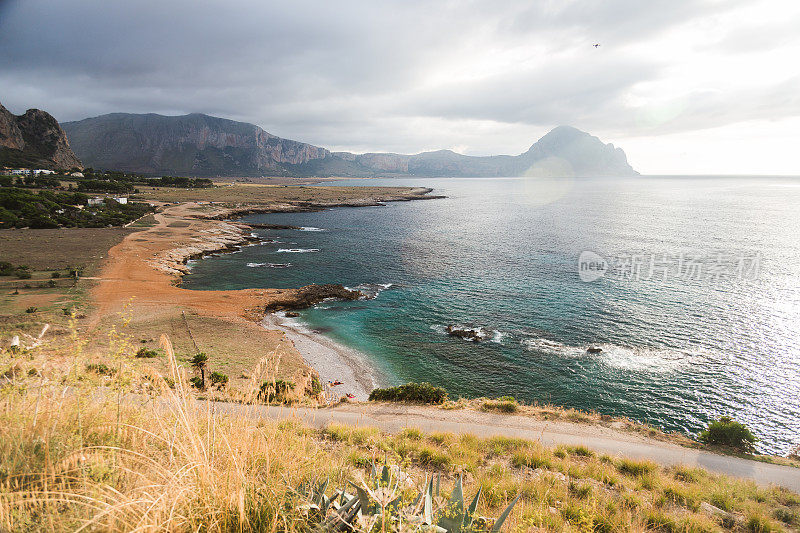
point(596, 45)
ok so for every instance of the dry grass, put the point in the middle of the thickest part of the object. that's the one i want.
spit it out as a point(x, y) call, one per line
point(272, 194)
point(116, 449)
point(55, 249)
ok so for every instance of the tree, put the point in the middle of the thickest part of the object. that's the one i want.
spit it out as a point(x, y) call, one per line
point(199, 363)
point(728, 432)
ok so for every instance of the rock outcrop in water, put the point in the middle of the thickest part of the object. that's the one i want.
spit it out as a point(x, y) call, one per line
point(201, 145)
point(470, 334)
point(34, 140)
point(310, 295)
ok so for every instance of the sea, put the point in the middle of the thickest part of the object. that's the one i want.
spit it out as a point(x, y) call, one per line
point(671, 300)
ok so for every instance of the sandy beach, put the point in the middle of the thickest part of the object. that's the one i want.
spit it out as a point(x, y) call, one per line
point(333, 361)
point(141, 279)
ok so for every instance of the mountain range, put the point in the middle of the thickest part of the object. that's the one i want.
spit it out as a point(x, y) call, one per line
point(34, 140)
point(202, 145)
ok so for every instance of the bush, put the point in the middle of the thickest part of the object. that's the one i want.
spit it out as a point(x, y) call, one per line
point(101, 369)
point(6, 268)
point(277, 391)
point(730, 433)
point(31, 309)
point(504, 404)
point(410, 393)
point(144, 353)
point(218, 379)
point(314, 387)
point(196, 382)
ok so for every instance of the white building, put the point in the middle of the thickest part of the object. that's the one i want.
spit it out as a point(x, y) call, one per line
point(43, 171)
point(77, 174)
point(21, 171)
point(122, 200)
point(95, 201)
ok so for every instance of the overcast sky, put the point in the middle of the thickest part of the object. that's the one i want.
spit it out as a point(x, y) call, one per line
point(683, 86)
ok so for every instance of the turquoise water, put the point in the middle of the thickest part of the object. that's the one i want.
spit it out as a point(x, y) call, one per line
point(681, 343)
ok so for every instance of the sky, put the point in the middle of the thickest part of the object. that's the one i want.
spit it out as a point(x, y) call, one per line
point(683, 86)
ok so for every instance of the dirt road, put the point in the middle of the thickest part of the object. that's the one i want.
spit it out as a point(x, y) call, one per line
point(393, 418)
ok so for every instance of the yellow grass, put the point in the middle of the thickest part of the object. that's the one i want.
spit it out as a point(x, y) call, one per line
point(86, 451)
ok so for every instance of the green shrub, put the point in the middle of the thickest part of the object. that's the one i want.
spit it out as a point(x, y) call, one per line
point(636, 468)
point(218, 379)
point(504, 404)
point(730, 433)
point(197, 382)
point(31, 309)
point(410, 393)
point(144, 353)
point(55, 275)
point(101, 369)
point(6, 268)
point(275, 391)
point(315, 387)
point(760, 524)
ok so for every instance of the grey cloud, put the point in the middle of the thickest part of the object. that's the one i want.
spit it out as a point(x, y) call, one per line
point(348, 74)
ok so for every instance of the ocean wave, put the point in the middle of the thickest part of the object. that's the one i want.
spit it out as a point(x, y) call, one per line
point(371, 290)
point(499, 336)
point(296, 250)
point(311, 228)
point(269, 265)
point(481, 333)
point(636, 359)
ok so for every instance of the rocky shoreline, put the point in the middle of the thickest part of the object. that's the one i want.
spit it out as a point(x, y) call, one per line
point(229, 235)
point(224, 237)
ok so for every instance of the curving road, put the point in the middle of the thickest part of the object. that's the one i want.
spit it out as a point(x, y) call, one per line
point(393, 418)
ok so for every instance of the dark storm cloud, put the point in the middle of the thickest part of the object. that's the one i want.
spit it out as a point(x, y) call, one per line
point(355, 74)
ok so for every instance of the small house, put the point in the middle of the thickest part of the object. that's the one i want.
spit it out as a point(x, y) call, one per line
point(95, 201)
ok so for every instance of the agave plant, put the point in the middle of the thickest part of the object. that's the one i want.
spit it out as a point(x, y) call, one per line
point(380, 498)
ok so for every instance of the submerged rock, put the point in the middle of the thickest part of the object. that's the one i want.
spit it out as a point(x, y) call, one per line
point(470, 334)
point(594, 349)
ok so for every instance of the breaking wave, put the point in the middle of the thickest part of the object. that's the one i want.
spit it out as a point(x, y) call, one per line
point(269, 265)
point(630, 358)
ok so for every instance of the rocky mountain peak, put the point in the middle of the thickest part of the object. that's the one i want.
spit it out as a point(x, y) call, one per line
point(34, 139)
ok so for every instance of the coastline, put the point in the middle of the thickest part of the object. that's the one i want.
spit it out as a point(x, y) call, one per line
point(331, 360)
point(142, 274)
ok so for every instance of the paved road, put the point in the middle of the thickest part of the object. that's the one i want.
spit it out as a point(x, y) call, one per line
point(394, 418)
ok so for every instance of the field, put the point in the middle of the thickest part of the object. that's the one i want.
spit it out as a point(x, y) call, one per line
point(273, 194)
point(57, 249)
point(107, 444)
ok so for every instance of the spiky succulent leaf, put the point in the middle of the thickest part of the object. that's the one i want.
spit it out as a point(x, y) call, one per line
point(368, 507)
point(453, 514)
point(469, 517)
point(427, 512)
point(502, 518)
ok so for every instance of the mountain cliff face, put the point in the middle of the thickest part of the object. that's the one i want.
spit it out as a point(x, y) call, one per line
point(193, 144)
point(201, 145)
point(34, 140)
point(564, 151)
